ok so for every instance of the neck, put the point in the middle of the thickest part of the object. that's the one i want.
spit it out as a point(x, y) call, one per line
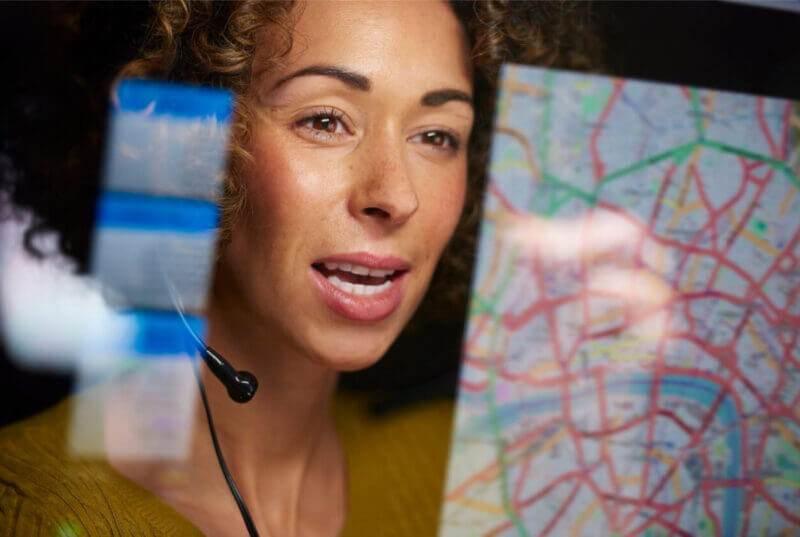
point(292, 406)
point(281, 447)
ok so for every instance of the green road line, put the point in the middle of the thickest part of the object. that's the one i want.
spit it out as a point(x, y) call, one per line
point(545, 130)
point(488, 306)
point(698, 120)
point(512, 259)
point(501, 457)
point(573, 190)
point(566, 199)
point(773, 162)
point(483, 305)
point(766, 520)
point(499, 109)
point(551, 203)
point(556, 204)
point(679, 153)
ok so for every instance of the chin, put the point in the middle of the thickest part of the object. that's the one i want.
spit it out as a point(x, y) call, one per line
point(351, 353)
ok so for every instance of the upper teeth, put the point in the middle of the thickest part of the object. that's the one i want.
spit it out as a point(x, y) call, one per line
point(359, 289)
point(358, 269)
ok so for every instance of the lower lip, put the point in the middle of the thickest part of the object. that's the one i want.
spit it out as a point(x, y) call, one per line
point(361, 307)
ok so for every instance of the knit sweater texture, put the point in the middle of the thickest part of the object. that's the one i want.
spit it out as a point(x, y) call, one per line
point(395, 467)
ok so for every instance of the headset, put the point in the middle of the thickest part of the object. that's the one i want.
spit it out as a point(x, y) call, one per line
point(241, 386)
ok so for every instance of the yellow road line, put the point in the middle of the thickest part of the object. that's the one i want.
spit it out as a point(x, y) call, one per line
point(761, 243)
point(676, 478)
point(785, 202)
point(712, 99)
point(787, 435)
point(687, 181)
point(693, 268)
point(782, 481)
point(607, 316)
point(583, 518)
point(682, 211)
point(479, 505)
point(761, 346)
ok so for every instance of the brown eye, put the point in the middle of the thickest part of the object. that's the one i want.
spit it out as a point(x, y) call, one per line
point(435, 138)
point(440, 140)
point(324, 123)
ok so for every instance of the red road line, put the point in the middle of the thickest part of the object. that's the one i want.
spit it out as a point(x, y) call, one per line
point(597, 163)
point(516, 321)
point(556, 344)
point(660, 520)
point(665, 182)
point(677, 421)
point(786, 120)
point(497, 193)
point(710, 513)
point(599, 377)
point(482, 474)
point(478, 330)
point(717, 256)
point(762, 123)
point(665, 477)
point(558, 514)
point(794, 519)
point(523, 473)
point(654, 405)
point(749, 212)
point(618, 429)
point(787, 252)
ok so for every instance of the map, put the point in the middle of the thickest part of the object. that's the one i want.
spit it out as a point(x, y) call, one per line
point(632, 358)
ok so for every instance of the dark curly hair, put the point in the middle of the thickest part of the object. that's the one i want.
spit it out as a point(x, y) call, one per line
point(213, 43)
point(51, 145)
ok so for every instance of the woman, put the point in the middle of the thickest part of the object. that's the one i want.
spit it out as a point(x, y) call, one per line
point(349, 176)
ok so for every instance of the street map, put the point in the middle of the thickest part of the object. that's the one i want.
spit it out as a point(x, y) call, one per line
point(631, 363)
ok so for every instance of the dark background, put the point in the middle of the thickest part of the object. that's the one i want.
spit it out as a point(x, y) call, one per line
point(57, 61)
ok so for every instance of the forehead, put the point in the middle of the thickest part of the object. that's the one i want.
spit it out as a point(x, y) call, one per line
point(416, 44)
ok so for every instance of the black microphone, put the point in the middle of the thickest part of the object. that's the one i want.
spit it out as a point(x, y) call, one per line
point(241, 385)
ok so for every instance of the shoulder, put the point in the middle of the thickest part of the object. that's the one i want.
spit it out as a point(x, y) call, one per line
point(396, 466)
point(46, 491)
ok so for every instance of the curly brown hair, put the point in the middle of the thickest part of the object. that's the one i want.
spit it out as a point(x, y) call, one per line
point(214, 43)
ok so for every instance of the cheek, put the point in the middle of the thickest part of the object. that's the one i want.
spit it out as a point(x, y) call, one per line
point(277, 182)
point(289, 187)
point(444, 210)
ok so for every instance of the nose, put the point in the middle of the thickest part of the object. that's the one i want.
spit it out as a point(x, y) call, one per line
point(384, 192)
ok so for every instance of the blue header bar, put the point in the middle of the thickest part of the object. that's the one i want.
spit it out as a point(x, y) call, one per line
point(143, 212)
point(160, 333)
point(152, 98)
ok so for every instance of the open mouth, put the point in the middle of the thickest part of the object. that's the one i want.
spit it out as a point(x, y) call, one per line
point(357, 279)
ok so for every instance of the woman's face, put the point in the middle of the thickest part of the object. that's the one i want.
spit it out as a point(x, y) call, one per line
point(360, 162)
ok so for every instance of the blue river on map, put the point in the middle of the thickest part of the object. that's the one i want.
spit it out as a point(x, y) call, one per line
point(699, 390)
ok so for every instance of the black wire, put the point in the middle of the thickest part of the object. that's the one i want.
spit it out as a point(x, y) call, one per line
point(248, 521)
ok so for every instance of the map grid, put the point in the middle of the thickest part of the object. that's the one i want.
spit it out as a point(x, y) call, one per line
point(632, 357)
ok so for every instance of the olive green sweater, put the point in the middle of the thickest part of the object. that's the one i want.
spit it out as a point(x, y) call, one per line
point(396, 468)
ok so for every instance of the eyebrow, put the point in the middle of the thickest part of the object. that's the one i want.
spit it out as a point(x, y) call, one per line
point(439, 97)
point(362, 83)
point(354, 80)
